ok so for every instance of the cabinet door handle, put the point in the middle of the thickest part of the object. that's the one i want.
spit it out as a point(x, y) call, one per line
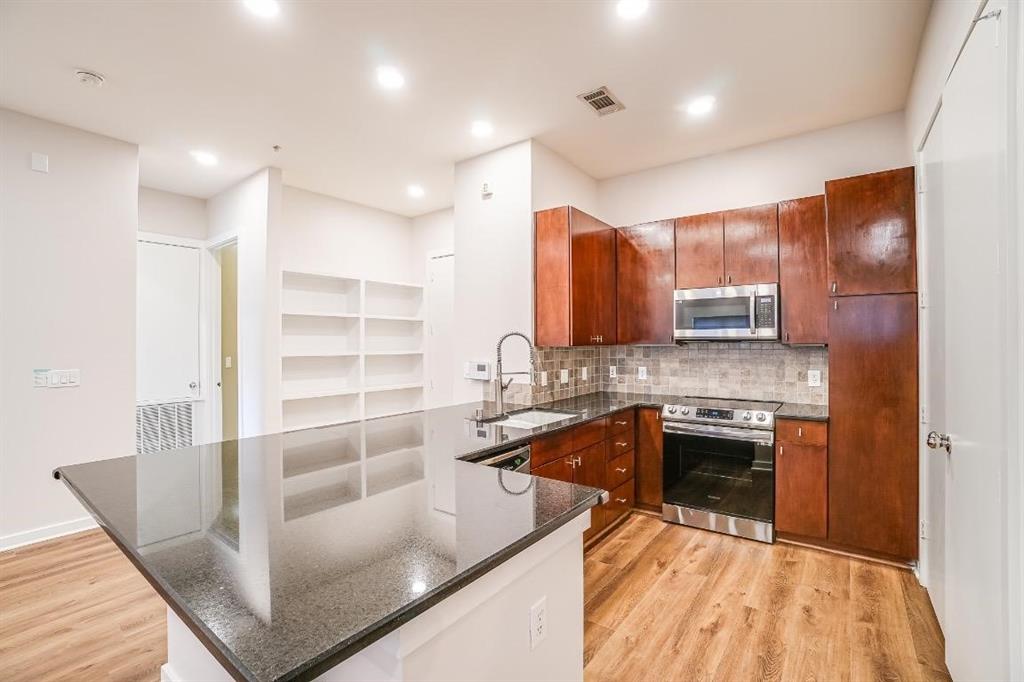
point(621, 471)
point(579, 461)
point(800, 431)
point(835, 287)
point(787, 336)
point(571, 462)
point(719, 279)
point(730, 279)
point(622, 445)
point(781, 449)
point(621, 423)
point(621, 500)
point(835, 305)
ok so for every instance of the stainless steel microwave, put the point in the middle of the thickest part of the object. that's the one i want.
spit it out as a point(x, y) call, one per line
point(737, 313)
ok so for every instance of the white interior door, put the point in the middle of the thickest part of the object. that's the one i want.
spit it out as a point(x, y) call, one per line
point(167, 323)
point(440, 330)
point(932, 321)
point(974, 187)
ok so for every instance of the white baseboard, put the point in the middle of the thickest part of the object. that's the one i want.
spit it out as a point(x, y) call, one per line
point(29, 537)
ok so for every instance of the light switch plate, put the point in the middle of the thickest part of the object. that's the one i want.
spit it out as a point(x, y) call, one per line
point(40, 162)
point(543, 378)
point(613, 371)
point(814, 377)
point(641, 373)
point(583, 374)
point(56, 378)
point(563, 376)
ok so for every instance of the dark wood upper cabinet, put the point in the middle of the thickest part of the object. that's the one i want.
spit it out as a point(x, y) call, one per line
point(574, 279)
point(803, 270)
point(700, 251)
point(872, 432)
point(872, 233)
point(751, 244)
point(646, 259)
point(649, 456)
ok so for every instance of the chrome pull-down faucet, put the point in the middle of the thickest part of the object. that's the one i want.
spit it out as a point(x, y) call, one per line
point(499, 390)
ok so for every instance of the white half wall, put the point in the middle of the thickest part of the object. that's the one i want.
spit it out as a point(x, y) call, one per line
point(67, 300)
point(493, 260)
point(788, 168)
point(325, 234)
point(172, 214)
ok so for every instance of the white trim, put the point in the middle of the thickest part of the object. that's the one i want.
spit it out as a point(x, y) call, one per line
point(30, 537)
point(170, 239)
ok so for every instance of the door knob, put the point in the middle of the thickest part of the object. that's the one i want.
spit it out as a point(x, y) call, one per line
point(193, 385)
point(938, 440)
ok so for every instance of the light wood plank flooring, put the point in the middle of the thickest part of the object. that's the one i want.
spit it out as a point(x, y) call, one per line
point(663, 602)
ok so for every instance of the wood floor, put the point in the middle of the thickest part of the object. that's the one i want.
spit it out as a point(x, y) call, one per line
point(663, 602)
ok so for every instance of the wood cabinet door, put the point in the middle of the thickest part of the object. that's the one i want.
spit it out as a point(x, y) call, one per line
point(872, 431)
point(592, 280)
point(646, 262)
point(590, 465)
point(648, 459)
point(872, 233)
point(700, 251)
point(551, 277)
point(560, 469)
point(803, 270)
point(752, 244)
point(801, 489)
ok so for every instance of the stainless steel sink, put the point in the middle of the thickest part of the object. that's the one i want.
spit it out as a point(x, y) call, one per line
point(531, 419)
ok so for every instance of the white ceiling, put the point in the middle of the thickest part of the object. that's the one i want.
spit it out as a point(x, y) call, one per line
point(186, 75)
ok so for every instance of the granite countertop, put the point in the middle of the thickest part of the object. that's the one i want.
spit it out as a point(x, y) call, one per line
point(288, 553)
point(803, 411)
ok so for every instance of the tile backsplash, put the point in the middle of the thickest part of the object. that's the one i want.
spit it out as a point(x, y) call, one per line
point(752, 370)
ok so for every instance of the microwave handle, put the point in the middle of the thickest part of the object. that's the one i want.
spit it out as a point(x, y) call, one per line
point(753, 313)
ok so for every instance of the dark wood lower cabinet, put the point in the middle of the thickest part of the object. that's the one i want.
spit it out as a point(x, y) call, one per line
point(872, 433)
point(560, 469)
point(648, 460)
point(801, 490)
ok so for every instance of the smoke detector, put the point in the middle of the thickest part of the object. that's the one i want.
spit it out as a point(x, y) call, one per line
point(89, 79)
point(602, 101)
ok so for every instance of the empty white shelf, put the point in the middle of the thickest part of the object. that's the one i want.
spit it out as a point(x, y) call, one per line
point(392, 400)
point(398, 370)
point(319, 294)
point(393, 299)
point(317, 376)
point(303, 335)
point(389, 334)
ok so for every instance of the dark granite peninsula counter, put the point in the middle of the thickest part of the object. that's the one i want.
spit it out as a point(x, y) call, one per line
point(287, 555)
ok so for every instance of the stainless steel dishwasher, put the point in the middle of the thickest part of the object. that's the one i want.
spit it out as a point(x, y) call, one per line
point(514, 459)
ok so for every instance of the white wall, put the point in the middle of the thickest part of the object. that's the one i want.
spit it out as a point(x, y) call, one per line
point(325, 234)
point(949, 21)
point(788, 168)
point(556, 182)
point(171, 214)
point(493, 260)
point(431, 232)
point(251, 211)
point(67, 300)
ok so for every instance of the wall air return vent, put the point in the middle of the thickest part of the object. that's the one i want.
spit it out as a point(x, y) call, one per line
point(165, 426)
point(602, 101)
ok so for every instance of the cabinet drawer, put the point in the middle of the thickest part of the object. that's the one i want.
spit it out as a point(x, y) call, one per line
point(620, 443)
point(807, 433)
point(587, 434)
point(549, 448)
point(620, 503)
point(622, 421)
point(619, 470)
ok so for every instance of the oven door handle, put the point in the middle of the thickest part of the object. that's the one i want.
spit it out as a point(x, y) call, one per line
point(727, 432)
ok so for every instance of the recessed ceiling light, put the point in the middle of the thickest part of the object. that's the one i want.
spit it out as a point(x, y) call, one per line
point(631, 9)
point(90, 79)
point(415, 191)
point(481, 129)
point(701, 106)
point(204, 158)
point(263, 8)
point(390, 78)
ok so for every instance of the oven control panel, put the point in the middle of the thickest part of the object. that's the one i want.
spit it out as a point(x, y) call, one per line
point(758, 419)
point(714, 413)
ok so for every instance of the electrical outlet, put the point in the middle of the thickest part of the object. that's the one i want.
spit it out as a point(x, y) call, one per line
point(563, 376)
point(583, 374)
point(538, 622)
point(543, 378)
point(612, 371)
point(814, 377)
point(641, 373)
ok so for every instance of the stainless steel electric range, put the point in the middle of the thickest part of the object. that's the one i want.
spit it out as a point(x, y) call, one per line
point(719, 471)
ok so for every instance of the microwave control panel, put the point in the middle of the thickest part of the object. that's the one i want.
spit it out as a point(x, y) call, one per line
point(764, 311)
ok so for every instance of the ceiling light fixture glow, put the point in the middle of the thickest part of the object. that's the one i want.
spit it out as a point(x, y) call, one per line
point(481, 129)
point(702, 106)
point(631, 9)
point(419, 587)
point(204, 158)
point(415, 191)
point(266, 9)
point(390, 78)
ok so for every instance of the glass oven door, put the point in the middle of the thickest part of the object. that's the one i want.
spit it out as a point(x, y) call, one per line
point(720, 469)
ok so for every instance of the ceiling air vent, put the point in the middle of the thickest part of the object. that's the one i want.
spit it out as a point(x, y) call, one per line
point(602, 101)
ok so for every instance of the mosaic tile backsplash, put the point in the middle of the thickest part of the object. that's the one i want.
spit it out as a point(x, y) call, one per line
point(751, 370)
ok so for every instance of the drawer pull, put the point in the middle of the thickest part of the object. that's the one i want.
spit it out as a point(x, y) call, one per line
point(621, 500)
point(620, 470)
point(800, 431)
point(622, 445)
point(621, 423)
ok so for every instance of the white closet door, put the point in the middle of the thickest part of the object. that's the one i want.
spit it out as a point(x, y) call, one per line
point(167, 323)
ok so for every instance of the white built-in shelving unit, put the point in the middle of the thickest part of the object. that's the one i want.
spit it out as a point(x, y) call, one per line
point(351, 349)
